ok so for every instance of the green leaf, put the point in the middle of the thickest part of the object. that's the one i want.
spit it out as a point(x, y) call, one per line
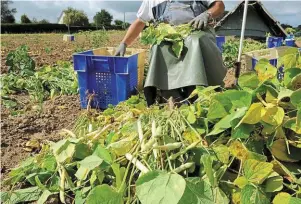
point(284, 169)
point(284, 93)
point(44, 197)
point(256, 172)
point(157, 187)
point(66, 154)
point(119, 174)
point(216, 110)
point(280, 151)
point(79, 198)
point(105, 194)
point(296, 98)
point(87, 165)
point(177, 47)
point(285, 198)
point(289, 74)
point(82, 151)
point(251, 195)
point(207, 162)
point(225, 122)
point(248, 80)
point(220, 196)
point(292, 124)
point(103, 153)
point(60, 146)
point(21, 195)
point(234, 99)
point(296, 83)
point(197, 191)
point(191, 117)
point(49, 163)
point(243, 131)
point(123, 146)
point(273, 184)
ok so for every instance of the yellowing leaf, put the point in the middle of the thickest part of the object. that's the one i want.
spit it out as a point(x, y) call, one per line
point(222, 153)
point(256, 172)
point(251, 194)
point(285, 198)
point(236, 198)
point(239, 151)
point(254, 114)
point(241, 181)
point(190, 136)
point(270, 98)
point(273, 115)
point(123, 146)
point(290, 58)
point(265, 70)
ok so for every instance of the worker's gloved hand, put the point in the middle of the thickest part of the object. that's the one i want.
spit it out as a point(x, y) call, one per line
point(201, 21)
point(121, 50)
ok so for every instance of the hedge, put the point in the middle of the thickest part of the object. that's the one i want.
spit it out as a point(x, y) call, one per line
point(48, 28)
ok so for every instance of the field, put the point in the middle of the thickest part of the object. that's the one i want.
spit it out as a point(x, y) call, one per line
point(219, 138)
point(45, 49)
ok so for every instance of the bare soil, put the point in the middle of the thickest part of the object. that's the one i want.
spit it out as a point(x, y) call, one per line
point(38, 125)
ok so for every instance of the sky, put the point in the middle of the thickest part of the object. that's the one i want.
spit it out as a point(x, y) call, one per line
point(288, 12)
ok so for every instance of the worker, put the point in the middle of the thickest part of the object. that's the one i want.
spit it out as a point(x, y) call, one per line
point(200, 63)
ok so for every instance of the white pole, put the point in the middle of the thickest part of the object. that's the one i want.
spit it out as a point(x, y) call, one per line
point(242, 35)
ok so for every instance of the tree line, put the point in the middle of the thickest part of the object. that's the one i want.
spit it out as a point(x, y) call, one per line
point(72, 17)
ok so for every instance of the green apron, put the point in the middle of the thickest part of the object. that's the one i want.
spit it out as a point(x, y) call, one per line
point(200, 63)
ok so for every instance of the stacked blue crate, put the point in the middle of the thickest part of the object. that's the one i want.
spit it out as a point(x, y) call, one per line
point(274, 42)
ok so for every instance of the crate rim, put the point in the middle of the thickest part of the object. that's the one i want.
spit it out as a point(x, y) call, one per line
point(90, 55)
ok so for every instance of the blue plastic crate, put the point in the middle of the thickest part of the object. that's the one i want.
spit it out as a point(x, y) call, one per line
point(290, 42)
point(220, 41)
point(274, 42)
point(272, 62)
point(109, 79)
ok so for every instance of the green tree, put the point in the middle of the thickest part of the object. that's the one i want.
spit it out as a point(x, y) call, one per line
point(284, 26)
point(75, 17)
point(25, 19)
point(103, 18)
point(44, 21)
point(34, 20)
point(7, 14)
point(118, 22)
